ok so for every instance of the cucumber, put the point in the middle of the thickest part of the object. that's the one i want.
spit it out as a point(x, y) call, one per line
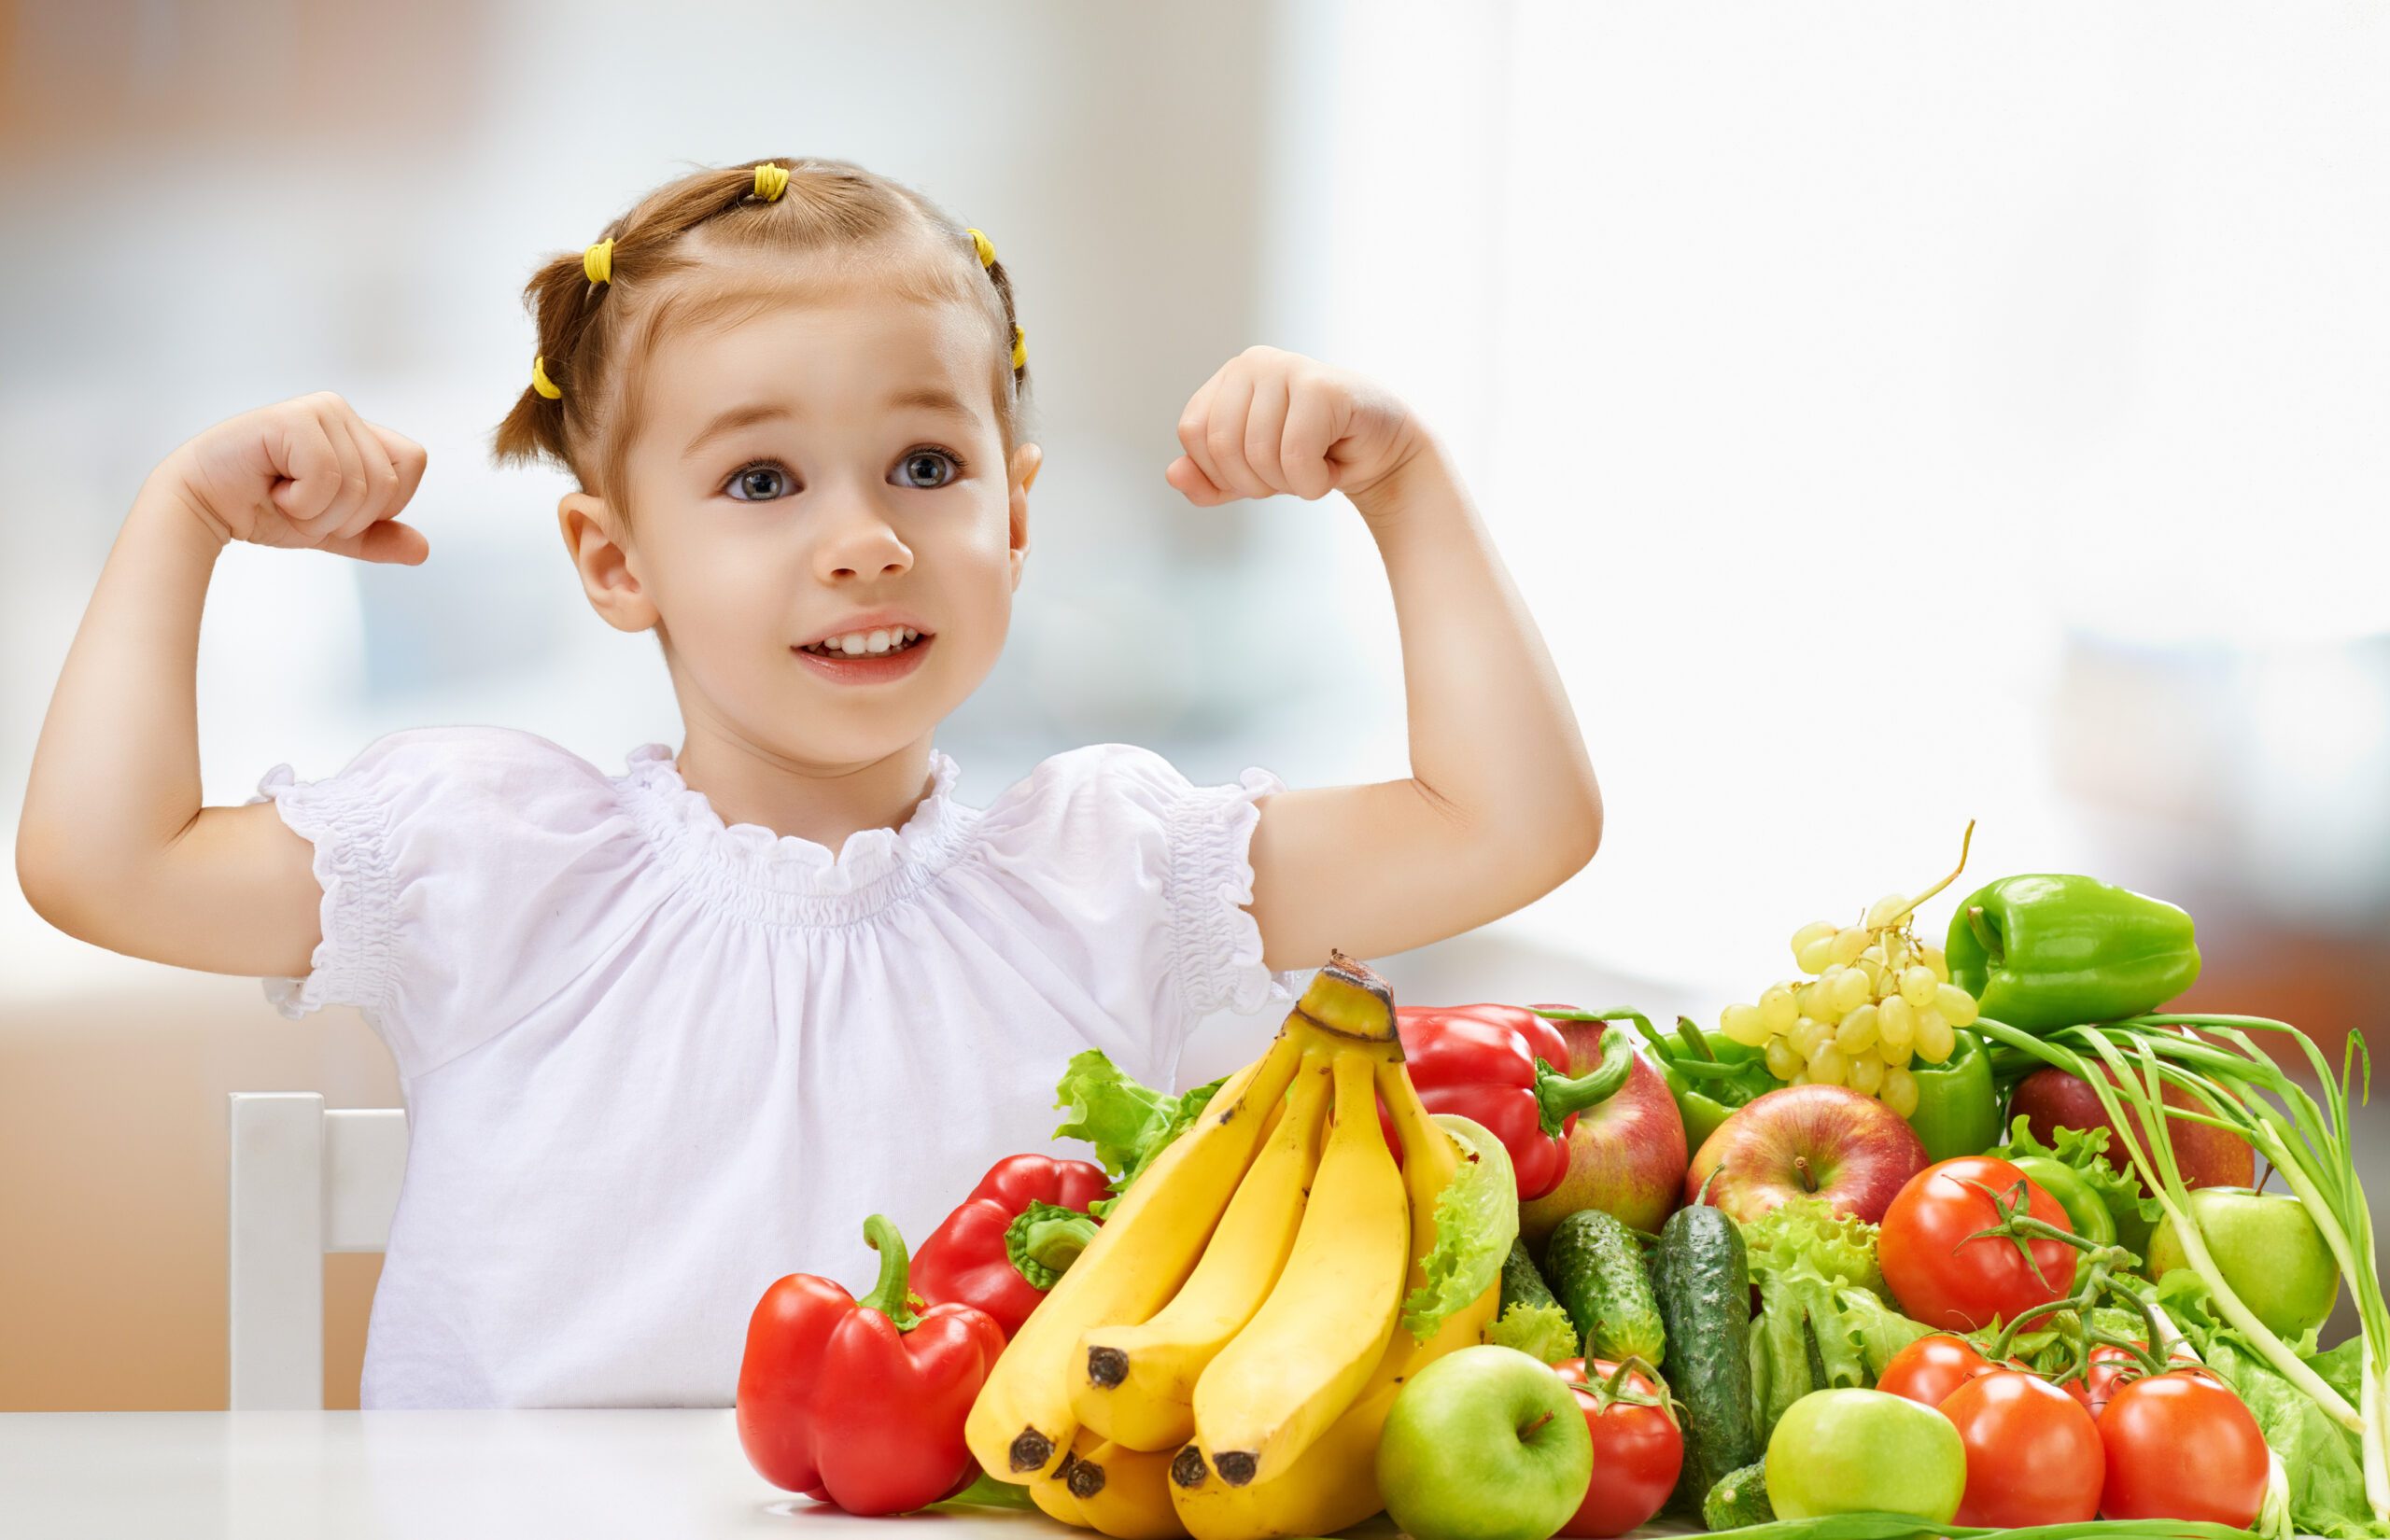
point(1705, 1298)
point(1597, 1270)
point(1739, 1499)
point(1521, 1283)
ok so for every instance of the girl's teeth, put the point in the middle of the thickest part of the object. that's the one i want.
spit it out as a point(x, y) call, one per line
point(873, 643)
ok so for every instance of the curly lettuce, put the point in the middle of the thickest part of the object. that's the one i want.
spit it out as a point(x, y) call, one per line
point(1127, 1124)
point(1540, 1331)
point(1477, 1217)
point(1807, 1229)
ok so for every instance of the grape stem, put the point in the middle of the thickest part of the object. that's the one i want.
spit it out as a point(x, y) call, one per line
point(1966, 842)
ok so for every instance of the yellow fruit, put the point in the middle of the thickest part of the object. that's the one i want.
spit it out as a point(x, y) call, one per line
point(1304, 1355)
point(1332, 1485)
point(1135, 1384)
point(1021, 1424)
point(1900, 1091)
point(1124, 1492)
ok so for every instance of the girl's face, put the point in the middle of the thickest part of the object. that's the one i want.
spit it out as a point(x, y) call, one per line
point(832, 466)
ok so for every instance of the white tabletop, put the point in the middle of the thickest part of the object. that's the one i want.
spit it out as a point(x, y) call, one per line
point(657, 1474)
point(458, 1476)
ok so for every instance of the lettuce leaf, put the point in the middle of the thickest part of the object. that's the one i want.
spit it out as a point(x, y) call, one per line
point(1477, 1217)
point(1543, 1331)
point(1127, 1124)
point(1811, 1230)
point(1815, 1332)
point(2135, 1212)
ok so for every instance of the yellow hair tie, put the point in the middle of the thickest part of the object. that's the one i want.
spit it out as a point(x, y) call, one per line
point(985, 247)
point(770, 182)
point(1019, 346)
point(539, 381)
point(599, 261)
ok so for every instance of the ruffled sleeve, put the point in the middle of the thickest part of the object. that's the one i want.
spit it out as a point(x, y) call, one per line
point(1154, 875)
point(447, 858)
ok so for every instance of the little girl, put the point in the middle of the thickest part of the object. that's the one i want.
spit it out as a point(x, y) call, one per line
point(669, 1034)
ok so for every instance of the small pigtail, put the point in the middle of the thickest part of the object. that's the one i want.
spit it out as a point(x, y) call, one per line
point(985, 251)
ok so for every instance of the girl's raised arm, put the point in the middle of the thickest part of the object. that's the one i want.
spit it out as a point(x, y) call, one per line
point(1501, 805)
point(115, 848)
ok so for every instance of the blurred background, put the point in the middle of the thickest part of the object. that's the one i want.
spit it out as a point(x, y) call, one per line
point(1895, 415)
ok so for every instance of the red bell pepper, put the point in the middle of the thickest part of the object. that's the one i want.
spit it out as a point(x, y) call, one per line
point(861, 1402)
point(1496, 1065)
point(1003, 1247)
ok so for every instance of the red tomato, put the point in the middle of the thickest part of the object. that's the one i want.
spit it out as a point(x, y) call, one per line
point(1946, 1280)
point(2182, 1446)
point(2034, 1454)
point(1638, 1451)
point(1930, 1368)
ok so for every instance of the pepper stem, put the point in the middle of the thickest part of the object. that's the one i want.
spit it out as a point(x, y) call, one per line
point(1043, 1239)
point(1559, 1098)
point(891, 1295)
point(1985, 937)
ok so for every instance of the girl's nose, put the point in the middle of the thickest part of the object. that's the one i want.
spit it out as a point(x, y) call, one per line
point(861, 543)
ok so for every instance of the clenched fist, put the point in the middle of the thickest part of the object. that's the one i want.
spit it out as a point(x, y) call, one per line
point(306, 472)
point(1272, 421)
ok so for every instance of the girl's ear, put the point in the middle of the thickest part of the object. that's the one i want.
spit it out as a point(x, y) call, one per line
point(604, 563)
point(1026, 461)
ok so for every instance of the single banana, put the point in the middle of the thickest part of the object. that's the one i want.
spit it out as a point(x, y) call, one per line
point(1054, 1500)
point(1333, 1485)
point(1021, 1424)
point(1305, 1354)
point(1137, 1384)
point(1123, 1493)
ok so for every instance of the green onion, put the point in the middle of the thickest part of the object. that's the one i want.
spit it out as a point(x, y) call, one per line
point(1898, 1526)
point(2238, 1087)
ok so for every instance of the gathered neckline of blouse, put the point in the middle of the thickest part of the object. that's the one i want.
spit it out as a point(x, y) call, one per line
point(787, 879)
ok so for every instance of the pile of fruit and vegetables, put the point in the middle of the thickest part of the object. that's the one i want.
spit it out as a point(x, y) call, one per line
point(1941, 1240)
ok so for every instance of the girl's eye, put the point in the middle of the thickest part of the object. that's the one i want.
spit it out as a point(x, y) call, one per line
point(759, 484)
point(928, 462)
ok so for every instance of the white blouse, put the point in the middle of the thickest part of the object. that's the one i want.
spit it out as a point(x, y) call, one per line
point(653, 1062)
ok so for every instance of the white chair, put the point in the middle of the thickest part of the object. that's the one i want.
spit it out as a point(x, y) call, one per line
point(304, 1182)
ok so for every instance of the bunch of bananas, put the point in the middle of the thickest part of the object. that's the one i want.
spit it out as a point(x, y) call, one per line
point(1220, 1359)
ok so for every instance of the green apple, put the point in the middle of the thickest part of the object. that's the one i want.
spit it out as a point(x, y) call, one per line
point(1864, 1452)
point(1485, 1444)
point(2268, 1250)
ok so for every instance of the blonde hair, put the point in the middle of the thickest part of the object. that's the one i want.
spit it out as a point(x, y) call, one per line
point(674, 256)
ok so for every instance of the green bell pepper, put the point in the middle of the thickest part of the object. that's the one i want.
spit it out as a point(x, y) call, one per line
point(2046, 950)
point(1709, 1073)
point(1957, 1111)
point(2087, 1211)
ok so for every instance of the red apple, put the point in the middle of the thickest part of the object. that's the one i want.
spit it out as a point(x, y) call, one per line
point(1625, 1155)
point(2209, 1156)
point(1828, 1140)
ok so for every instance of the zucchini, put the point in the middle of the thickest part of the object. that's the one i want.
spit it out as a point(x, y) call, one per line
point(1595, 1268)
point(1739, 1499)
point(1705, 1298)
point(1521, 1283)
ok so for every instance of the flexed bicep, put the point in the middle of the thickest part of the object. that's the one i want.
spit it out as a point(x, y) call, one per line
point(1381, 868)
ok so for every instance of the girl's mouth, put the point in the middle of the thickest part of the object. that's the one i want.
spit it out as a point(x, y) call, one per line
point(833, 661)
